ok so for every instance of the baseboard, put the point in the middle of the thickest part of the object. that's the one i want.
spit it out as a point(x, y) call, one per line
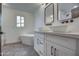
point(11, 43)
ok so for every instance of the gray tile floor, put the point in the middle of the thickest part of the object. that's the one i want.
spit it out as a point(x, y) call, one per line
point(18, 50)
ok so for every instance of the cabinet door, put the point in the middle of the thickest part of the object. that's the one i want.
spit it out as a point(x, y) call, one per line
point(36, 42)
point(56, 50)
point(39, 43)
point(41, 47)
point(50, 49)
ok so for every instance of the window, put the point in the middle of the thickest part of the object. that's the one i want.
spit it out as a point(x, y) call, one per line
point(20, 21)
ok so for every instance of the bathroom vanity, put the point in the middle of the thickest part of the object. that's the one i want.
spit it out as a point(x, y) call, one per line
point(56, 44)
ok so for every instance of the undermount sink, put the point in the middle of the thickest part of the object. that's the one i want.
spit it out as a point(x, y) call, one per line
point(59, 29)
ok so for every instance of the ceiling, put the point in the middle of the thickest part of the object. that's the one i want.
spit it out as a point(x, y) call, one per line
point(27, 7)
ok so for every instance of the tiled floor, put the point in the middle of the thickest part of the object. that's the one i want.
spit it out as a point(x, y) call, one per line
point(18, 50)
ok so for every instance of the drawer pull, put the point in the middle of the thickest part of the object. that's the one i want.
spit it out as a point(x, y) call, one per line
point(51, 50)
point(54, 51)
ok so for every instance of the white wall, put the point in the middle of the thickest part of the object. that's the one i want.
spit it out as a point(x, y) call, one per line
point(9, 24)
point(39, 18)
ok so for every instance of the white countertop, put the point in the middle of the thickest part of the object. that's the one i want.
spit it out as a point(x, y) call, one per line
point(72, 35)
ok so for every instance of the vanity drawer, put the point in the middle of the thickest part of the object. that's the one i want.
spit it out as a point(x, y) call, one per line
point(69, 43)
point(58, 50)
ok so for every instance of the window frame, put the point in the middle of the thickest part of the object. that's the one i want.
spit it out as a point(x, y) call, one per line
point(19, 21)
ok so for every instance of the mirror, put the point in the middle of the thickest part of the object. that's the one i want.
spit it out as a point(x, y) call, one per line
point(49, 14)
point(67, 11)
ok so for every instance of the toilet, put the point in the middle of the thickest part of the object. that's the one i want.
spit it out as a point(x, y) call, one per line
point(27, 39)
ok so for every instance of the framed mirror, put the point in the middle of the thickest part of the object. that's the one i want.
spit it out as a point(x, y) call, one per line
point(67, 11)
point(49, 14)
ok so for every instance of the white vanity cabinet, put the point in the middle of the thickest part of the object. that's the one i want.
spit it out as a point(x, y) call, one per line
point(39, 43)
point(55, 44)
point(57, 50)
